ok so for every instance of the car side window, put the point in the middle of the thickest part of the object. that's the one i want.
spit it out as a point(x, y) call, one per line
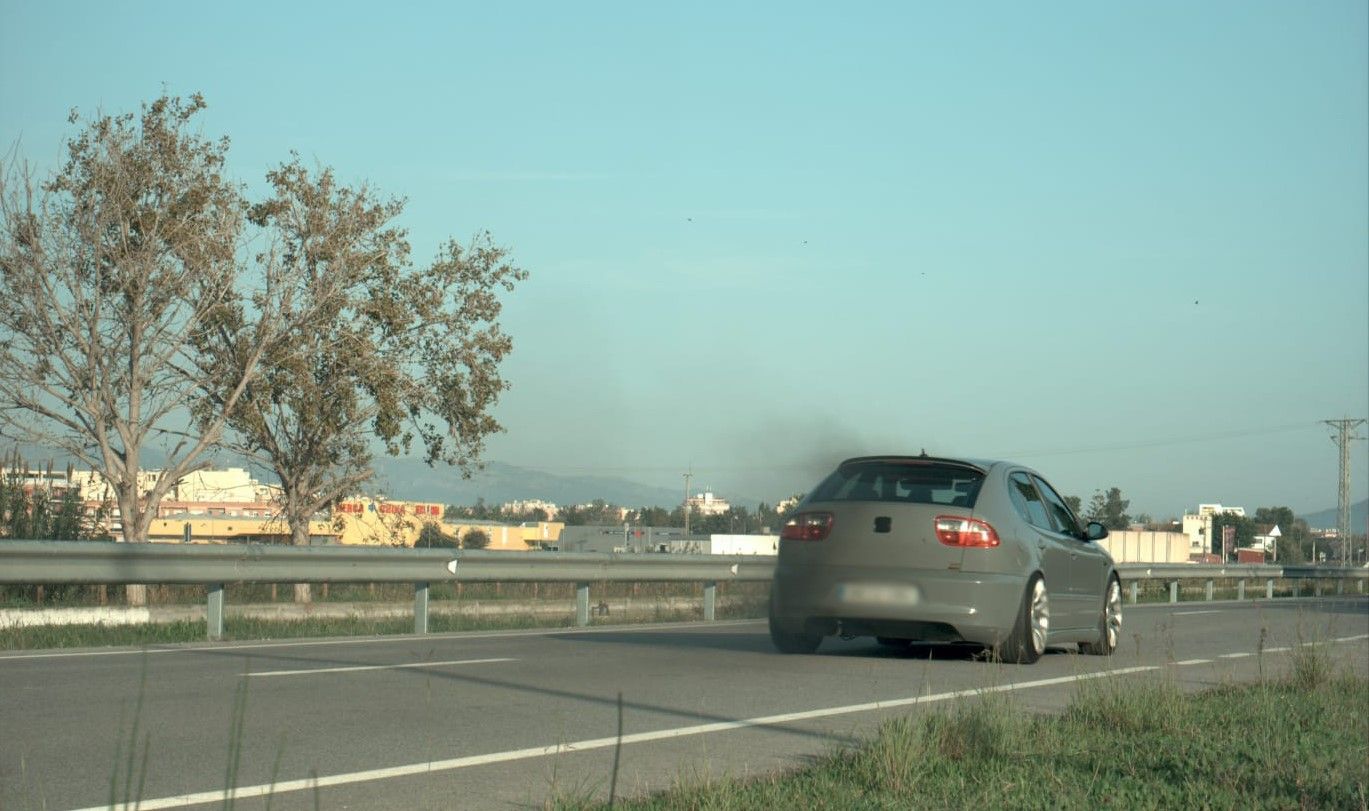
point(1064, 519)
point(1027, 502)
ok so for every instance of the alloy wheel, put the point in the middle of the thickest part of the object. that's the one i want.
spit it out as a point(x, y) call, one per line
point(1041, 616)
point(1112, 617)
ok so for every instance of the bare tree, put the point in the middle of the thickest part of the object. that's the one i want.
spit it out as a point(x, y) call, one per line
point(377, 352)
point(109, 270)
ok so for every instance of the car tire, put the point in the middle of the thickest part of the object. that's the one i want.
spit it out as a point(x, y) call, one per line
point(1027, 640)
point(787, 641)
point(1109, 622)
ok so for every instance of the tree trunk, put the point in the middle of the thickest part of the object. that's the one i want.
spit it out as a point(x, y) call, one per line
point(135, 525)
point(299, 531)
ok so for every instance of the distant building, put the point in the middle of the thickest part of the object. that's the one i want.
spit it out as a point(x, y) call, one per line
point(1145, 546)
point(528, 505)
point(785, 505)
point(206, 528)
point(744, 544)
point(622, 538)
point(708, 504)
point(1266, 537)
point(234, 485)
point(231, 493)
point(667, 540)
point(1198, 526)
point(382, 522)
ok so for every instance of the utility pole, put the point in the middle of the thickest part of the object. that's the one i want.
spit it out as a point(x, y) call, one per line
point(1342, 437)
point(687, 477)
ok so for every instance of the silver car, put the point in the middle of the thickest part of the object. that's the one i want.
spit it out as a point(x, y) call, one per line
point(916, 548)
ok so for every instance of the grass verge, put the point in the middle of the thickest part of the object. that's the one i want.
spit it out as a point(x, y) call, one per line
point(76, 636)
point(1298, 743)
point(245, 628)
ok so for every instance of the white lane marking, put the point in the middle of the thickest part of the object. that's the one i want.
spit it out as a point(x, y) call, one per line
point(1277, 650)
point(1193, 662)
point(1192, 613)
point(470, 635)
point(71, 654)
point(1351, 638)
point(1234, 655)
point(266, 789)
point(358, 668)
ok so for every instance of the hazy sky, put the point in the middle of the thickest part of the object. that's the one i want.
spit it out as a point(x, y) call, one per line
point(1127, 245)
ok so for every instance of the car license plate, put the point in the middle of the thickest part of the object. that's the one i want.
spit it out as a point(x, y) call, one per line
point(877, 594)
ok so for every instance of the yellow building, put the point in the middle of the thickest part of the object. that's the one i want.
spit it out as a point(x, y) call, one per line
point(202, 528)
point(364, 521)
point(508, 538)
point(369, 522)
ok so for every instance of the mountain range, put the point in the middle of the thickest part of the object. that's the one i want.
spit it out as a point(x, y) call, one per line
point(498, 483)
point(1327, 519)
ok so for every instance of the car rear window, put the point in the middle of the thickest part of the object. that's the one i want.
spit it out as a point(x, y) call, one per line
point(908, 482)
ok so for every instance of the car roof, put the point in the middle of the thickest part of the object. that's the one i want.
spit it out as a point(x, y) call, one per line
point(982, 465)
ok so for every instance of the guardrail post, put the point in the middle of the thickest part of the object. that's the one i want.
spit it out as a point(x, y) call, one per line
point(582, 604)
point(1269, 589)
point(1174, 591)
point(214, 612)
point(1316, 587)
point(1240, 589)
point(710, 600)
point(1340, 585)
point(1207, 591)
point(1359, 586)
point(421, 607)
point(1135, 589)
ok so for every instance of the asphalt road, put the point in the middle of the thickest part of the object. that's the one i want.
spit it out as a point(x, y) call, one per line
point(505, 720)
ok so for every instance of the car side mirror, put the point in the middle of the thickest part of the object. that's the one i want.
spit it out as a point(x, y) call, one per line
point(1095, 531)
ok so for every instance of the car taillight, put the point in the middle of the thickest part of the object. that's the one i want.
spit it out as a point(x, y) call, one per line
point(955, 531)
point(807, 527)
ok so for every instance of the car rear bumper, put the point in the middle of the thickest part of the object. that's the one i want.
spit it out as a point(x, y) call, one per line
point(940, 605)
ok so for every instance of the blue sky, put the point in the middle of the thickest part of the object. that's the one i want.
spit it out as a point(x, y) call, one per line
point(1127, 245)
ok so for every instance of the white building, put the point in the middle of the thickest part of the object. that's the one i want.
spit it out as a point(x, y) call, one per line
point(528, 505)
point(1198, 526)
point(231, 485)
point(1144, 546)
point(744, 544)
point(1268, 538)
point(708, 504)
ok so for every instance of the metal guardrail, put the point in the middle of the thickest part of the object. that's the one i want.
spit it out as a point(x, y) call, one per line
point(158, 563)
point(90, 562)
